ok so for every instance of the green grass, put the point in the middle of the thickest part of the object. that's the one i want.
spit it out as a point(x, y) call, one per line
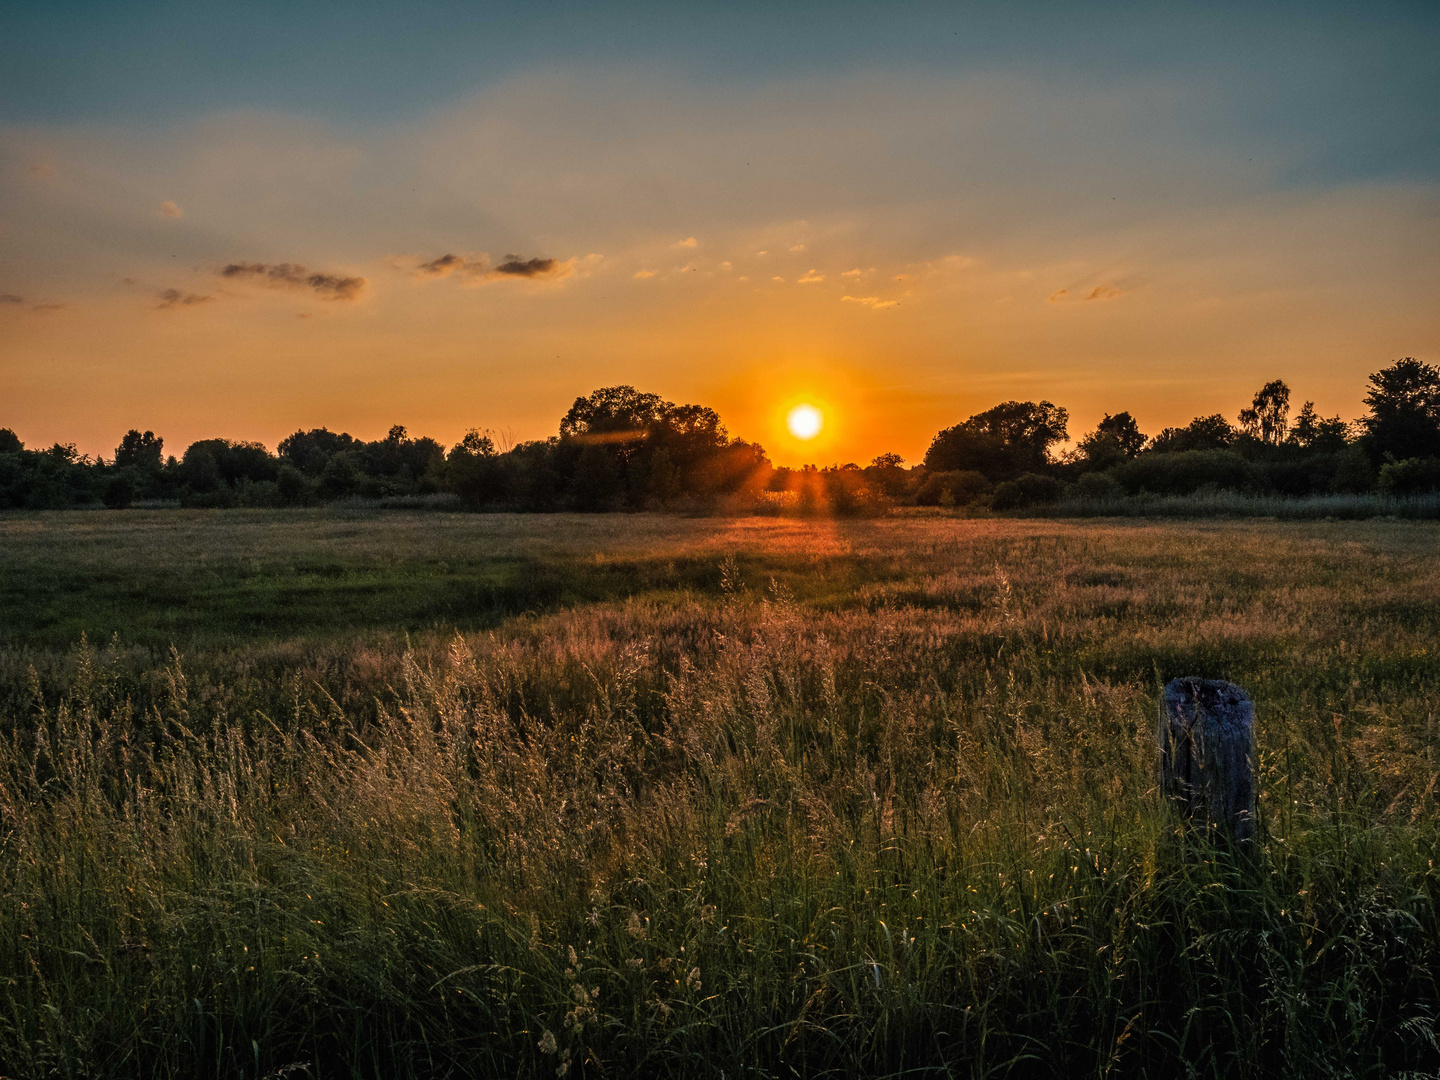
point(474, 795)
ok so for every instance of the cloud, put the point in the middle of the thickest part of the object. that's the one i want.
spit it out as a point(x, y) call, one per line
point(795, 249)
point(1099, 292)
point(16, 300)
point(642, 274)
point(542, 269)
point(480, 269)
point(443, 265)
point(853, 273)
point(172, 298)
point(872, 302)
point(688, 242)
point(293, 276)
point(171, 209)
point(812, 277)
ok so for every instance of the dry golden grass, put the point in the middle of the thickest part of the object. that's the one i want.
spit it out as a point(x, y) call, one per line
point(694, 796)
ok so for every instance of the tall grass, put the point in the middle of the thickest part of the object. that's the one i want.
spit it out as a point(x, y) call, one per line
point(1235, 504)
point(732, 830)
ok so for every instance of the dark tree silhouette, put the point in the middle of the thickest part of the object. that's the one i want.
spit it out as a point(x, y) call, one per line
point(1404, 420)
point(310, 451)
point(1203, 433)
point(1115, 439)
point(1321, 434)
point(1011, 439)
point(139, 450)
point(1267, 417)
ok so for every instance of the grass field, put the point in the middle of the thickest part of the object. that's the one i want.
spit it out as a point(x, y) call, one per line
point(335, 793)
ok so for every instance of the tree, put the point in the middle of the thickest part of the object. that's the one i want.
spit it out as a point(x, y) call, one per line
point(139, 450)
point(1266, 418)
point(474, 471)
point(1012, 438)
point(1321, 434)
point(10, 442)
point(310, 451)
point(1115, 439)
point(1124, 430)
point(613, 414)
point(597, 484)
point(1404, 420)
point(1203, 433)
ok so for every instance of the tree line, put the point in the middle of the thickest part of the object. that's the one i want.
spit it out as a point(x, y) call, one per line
point(621, 449)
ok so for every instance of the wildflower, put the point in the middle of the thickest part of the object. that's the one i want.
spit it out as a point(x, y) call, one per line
point(693, 979)
point(547, 1043)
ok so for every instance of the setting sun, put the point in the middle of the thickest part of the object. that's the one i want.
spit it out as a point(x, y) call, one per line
point(805, 421)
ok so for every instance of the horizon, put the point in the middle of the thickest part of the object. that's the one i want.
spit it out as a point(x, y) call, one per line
point(240, 224)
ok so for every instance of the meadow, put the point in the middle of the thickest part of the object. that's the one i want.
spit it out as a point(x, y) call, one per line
point(339, 793)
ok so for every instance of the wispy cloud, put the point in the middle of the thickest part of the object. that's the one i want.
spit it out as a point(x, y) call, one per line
point(642, 274)
point(515, 266)
point(171, 209)
point(294, 276)
point(479, 268)
point(443, 265)
point(811, 277)
point(1099, 292)
point(688, 242)
point(872, 302)
point(15, 300)
point(173, 298)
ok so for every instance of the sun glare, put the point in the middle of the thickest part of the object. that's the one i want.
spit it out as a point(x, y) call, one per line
point(805, 421)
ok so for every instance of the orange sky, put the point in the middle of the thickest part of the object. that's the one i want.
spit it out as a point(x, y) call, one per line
point(901, 247)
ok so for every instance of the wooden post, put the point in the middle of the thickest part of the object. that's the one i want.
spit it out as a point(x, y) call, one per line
point(1207, 750)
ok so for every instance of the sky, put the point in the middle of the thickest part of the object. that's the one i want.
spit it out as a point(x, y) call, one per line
point(237, 220)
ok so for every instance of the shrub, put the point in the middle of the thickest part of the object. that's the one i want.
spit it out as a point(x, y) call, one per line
point(1028, 490)
point(1353, 472)
point(963, 485)
point(291, 484)
point(1099, 487)
point(1187, 471)
point(119, 493)
point(1413, 476)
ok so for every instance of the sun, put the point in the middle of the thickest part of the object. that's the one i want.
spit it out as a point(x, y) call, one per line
point(805, 421)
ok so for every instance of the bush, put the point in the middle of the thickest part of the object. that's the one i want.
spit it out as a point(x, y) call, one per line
point(1187, 471)
point(1028, 490)
point(963, 485)
point(119, 493)
point(1353, 472)
point(1099, 487)
point(290, 482)
point(1413, 476)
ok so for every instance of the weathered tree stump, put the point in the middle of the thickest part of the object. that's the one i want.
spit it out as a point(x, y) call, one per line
point(1207, 744)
